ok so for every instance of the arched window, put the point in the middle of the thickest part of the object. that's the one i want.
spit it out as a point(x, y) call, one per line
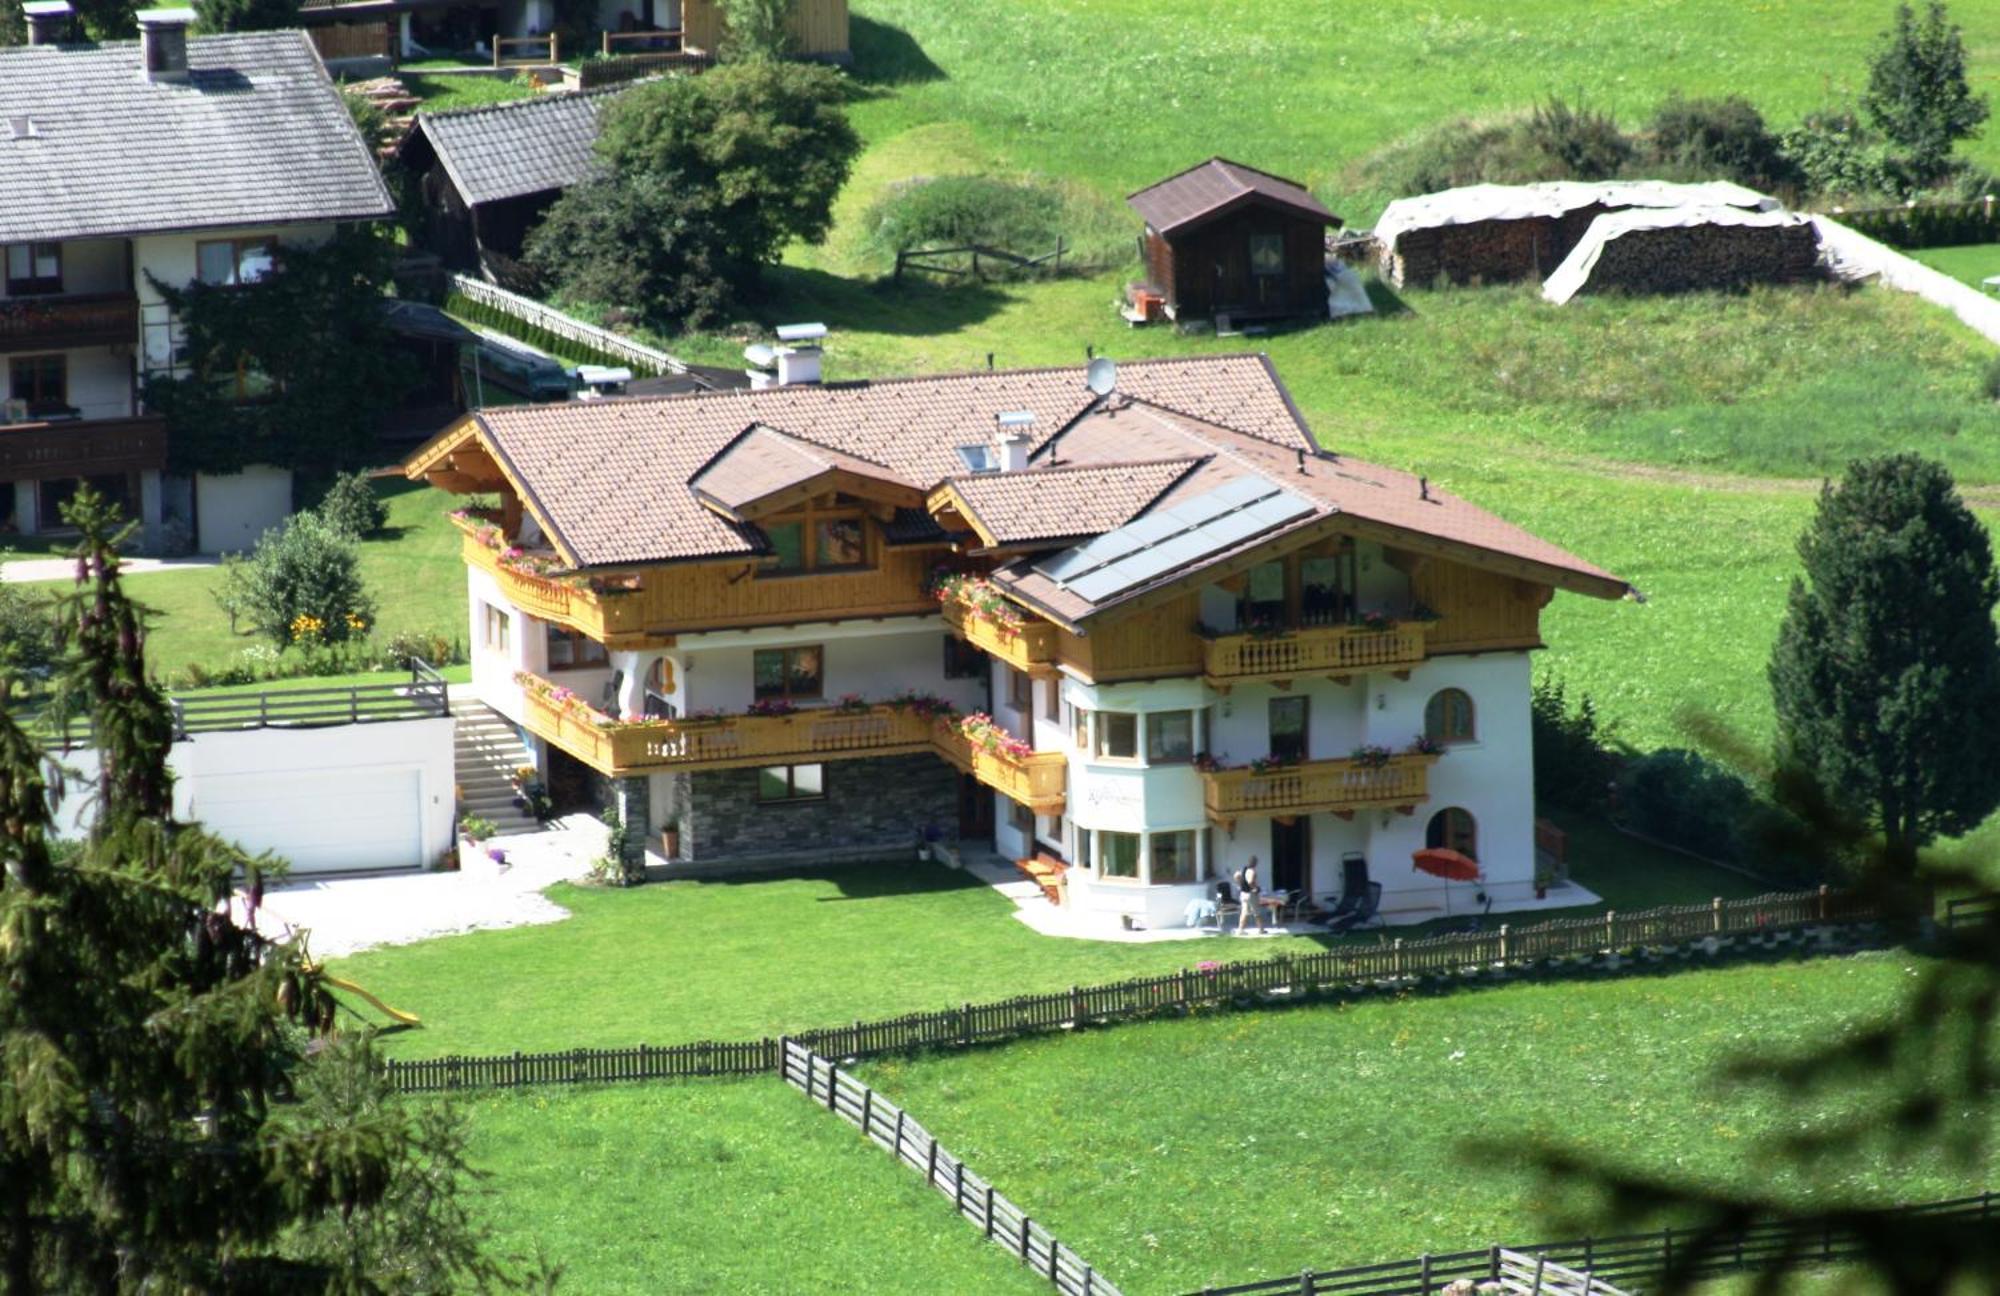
point(1448, 716)
point(1454, 829)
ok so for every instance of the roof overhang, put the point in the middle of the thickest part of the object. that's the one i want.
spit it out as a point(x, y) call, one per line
point(465, 460)
point(886, 495)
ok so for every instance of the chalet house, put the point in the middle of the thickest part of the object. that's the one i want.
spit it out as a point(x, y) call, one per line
point(1174, 631)
point(1226, 239)
point(170, 159)
point(488, 174)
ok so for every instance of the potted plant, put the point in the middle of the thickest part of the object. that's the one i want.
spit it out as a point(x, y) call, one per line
point(670, 837)
point(1370, 756)
point(1545, 876)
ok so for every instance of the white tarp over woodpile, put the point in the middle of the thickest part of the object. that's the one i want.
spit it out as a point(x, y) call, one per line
point(1345, 293)
point(1685, 249)
point(1553, 200)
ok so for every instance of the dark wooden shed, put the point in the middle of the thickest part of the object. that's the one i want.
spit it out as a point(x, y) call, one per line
point(1227, 239)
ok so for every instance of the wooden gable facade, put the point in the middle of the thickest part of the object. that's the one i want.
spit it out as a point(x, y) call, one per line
point(1225, 239)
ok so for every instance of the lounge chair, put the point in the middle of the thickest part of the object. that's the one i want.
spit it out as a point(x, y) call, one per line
point(1364, 914)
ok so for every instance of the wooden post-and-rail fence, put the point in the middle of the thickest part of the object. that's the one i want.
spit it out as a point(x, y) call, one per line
point(1614, 1263)
point(1288, 975)
point(932, 260)
point(896, 1132)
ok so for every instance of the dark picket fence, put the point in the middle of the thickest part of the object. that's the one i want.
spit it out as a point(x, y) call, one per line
point(1619, 1261)
point(1287, 975)
point(896, 1132)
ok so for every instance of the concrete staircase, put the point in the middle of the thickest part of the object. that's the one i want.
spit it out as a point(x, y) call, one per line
point(488, 751)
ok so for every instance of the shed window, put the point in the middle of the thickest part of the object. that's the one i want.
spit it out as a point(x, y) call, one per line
point(1267, 254)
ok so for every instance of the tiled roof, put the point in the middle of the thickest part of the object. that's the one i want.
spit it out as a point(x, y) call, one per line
point(508, 150)
point(611, 477)
point(256, 135)
point(1066, 502)
point(1336, 484)
point(1216, 186)
point(762, 462)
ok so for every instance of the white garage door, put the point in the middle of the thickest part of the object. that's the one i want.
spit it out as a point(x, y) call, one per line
point(321, 821)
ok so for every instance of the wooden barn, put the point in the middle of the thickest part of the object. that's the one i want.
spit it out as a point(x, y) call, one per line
point(1227, 239)
point(487, 175)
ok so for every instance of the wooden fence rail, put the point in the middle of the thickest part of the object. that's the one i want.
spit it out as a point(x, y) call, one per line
point(896, 1132)
point(1619, 1261)
point(927, 259)
point(426, 695)
point(642, 358)
point(1287, 975)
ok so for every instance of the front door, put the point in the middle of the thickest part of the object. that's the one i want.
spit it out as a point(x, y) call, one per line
point(975, 810)
point(1291, 854)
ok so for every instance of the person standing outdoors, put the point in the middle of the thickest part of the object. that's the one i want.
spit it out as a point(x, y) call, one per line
point(1252, 895)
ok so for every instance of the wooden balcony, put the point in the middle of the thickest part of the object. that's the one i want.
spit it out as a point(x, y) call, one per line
point(611, 619)
point(51, 323)
point(733, 742)
point(1039, 782)
point(1339, 787)
point(1031, 648)
point(81, 447)
point(1335, 651)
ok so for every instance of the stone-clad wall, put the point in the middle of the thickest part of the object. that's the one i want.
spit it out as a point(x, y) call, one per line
point(872, 807)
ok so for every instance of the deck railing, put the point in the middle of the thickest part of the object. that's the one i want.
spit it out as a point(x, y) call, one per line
point(661, 41)
point(1314, 787)
point(1325, 650)
point(599, 616)
point(1039, 781)
point(424, 696)
point(730, 742)
point(80, 447)
point(1030, 647)
point(529, 51)
point(84, 319)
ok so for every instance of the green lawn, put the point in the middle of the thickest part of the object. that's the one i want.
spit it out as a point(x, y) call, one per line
point(413, 570)
point(444, 93)
point(1210, 1150)
point(1970, 263)
point(739, 959)
point(717, 1187)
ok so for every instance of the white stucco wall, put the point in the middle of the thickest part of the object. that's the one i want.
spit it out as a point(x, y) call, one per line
point(233, 510)
point(492, 670)
point(339, 799)
point(873, 659)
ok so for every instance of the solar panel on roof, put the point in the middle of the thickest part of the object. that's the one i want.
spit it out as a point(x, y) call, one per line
point(1158, 543)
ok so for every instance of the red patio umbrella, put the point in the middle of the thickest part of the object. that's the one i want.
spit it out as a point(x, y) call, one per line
point(1451, 865)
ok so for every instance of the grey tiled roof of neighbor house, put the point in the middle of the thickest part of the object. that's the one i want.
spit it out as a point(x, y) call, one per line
point(256, 135)
point(510, 150)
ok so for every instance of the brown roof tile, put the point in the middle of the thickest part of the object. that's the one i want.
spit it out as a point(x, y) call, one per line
point(762, 462)
point(1218, 185)
point(1063, 503)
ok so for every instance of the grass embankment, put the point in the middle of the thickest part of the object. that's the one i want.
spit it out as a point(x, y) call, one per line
point(449, 92)
point(761, 956)
point(736, 1187)
point(1180, 1154)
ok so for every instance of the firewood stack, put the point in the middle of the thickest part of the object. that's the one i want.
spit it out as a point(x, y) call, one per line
point(1693, 258)
point(396, 103)
point(1495, 251)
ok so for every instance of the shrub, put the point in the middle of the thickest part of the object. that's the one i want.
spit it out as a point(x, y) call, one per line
point(1573, 767)
point(1024, 216)
point(303, 586)
point(352, 508)
point(1718, 137)
point(1686, 800)
point(27, 633)
point(410, 646)
point(1587, 145)
point(1835, 156)
point(643, 243)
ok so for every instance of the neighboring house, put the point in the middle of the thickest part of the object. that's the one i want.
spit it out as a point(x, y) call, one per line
point(170, 159)
point(487, 175)
point(408, 28)
point(736, 607)
point(1226, 239)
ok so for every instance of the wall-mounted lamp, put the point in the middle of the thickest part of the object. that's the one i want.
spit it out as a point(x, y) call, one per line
point(1381, 701)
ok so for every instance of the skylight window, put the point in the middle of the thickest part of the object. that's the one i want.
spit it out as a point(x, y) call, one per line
point(980, 458)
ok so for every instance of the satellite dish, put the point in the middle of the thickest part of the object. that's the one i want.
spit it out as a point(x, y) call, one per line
point(1102, 376)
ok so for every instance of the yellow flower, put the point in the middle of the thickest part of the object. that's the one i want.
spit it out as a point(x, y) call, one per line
point(356, 622)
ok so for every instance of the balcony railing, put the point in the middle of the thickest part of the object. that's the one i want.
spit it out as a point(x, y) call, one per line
point(1039, 781)
point(602, 617)
point(46, 323)
point(81, 447)
point(1326, 650)
point(732, 742)
point(1029, 648)
point(1317, 787)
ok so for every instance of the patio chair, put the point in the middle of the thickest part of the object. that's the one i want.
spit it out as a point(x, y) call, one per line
point(1343, 909)
point(1228, 905)
point(1364, 914)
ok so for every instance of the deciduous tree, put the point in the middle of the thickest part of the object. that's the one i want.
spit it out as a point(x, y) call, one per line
point(1918, 94)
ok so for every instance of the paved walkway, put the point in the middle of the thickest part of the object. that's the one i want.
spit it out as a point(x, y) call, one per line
point(23, 570)
point(356, 913)
point(1856, 256)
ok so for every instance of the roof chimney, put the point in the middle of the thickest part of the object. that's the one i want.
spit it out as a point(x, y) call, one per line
point(1015, 437)
point(799, 353)
point(163, 43)
point(48, 21)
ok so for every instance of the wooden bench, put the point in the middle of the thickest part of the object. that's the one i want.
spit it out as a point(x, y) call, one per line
point(1046, 874)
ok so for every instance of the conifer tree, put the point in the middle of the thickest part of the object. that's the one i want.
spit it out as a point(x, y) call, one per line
point(1886, 668)
point(153, 1048)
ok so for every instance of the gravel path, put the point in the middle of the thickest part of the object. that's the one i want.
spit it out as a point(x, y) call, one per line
point(348, 914)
